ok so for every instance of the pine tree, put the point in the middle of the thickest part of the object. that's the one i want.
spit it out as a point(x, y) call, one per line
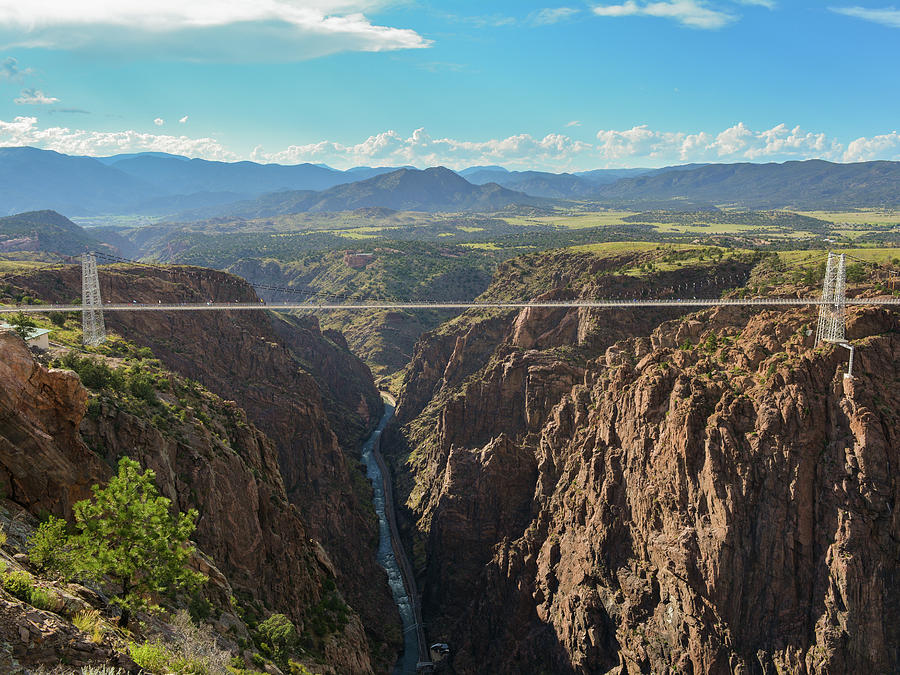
point(22, 324)
point(126, 532)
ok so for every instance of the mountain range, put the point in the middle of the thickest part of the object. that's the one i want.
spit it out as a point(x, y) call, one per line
point(167, 185)
point(148, 183)
point(812, 184)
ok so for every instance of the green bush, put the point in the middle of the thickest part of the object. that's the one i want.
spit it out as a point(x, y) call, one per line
point(19, 584)
point(50, 551)
point(42, 599)
point(856, 273)
point(94, 374)
point(278, 632)
point(58, 319)
point(141, 385)
point(151, 656)
point(187, 666)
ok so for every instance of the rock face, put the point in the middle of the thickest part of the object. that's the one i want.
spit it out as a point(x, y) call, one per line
point(305, 389)
point(258, 540)
point(707, 495)
point(40, 411)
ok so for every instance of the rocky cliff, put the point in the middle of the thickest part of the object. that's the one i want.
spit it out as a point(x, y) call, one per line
point(607, 492)
point(303, 387)
point(51, 452)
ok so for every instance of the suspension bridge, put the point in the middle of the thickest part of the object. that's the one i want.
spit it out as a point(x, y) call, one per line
point(831, 326)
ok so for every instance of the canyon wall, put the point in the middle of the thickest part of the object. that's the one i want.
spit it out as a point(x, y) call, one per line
point(313, 399)
point(51, 453)
point(595, 492)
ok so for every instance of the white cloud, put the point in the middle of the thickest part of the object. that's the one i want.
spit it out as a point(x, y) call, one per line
point(886, 146)
point(638, 146)
point(285, 30)
point(548, 16)
point(888, 17)
point(735, 144)
point(159, 121)
point(25, 131)
point(574, 123)
point(768, 4)
point(691, 13)
point(183, 120)
point(35, 97)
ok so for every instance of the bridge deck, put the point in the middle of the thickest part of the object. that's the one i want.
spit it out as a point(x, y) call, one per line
point(361, 306)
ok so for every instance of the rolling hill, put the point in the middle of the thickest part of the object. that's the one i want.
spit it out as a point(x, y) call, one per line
point(434, 189)
point(45, 231)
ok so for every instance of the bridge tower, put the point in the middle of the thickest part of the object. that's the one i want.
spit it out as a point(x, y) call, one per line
point(92, 325)
point(832, 324)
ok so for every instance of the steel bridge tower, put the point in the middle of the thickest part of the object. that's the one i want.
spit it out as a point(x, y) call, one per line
point(832, 324)
point(92, 325)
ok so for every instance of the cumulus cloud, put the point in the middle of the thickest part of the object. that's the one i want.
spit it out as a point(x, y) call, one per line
point(886, 146)
point(35, 97)
point(888, 17)
point(737, 143)
point(638, 146)
point(285, 30)
point(691, 13)
point(183, 120)
point(548, 16)
point(159, 121)
point(10, 70)
point(26, 131)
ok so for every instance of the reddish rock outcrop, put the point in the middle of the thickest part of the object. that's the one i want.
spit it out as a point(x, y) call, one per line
point(40, 411)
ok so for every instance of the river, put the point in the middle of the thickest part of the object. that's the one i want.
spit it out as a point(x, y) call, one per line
point(386, 558)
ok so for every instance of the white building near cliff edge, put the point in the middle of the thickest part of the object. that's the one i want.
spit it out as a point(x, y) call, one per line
point(37, 337)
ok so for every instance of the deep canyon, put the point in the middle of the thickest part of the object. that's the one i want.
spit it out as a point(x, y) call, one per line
point(580, 491)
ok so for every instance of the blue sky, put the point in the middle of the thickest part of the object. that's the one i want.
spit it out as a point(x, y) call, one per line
point(524, 84)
